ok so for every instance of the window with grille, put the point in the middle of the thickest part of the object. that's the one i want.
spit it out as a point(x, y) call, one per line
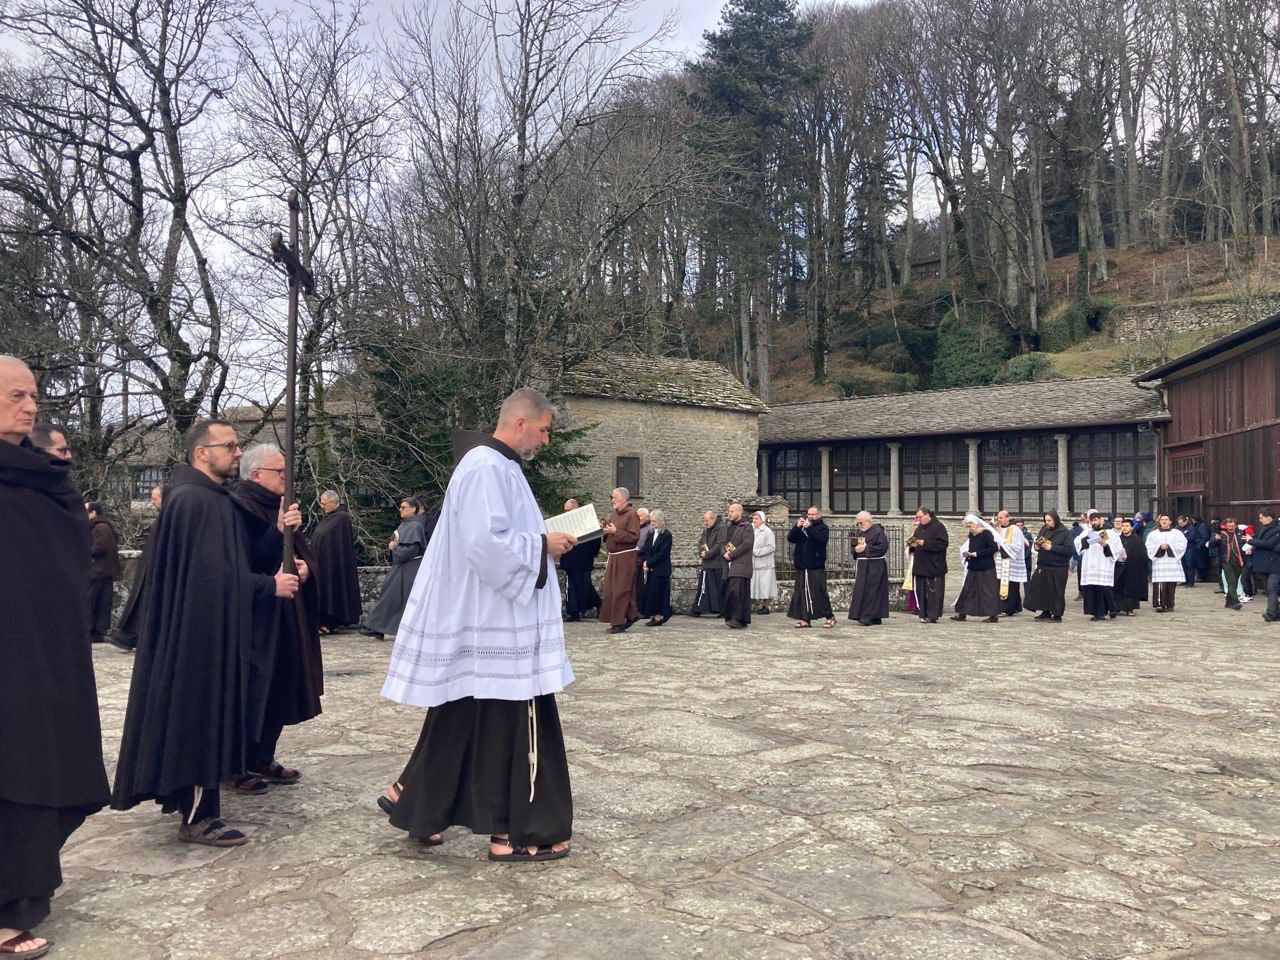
point(1113, 471)
point(795, 475)
point(859, 477)
point(627, 474)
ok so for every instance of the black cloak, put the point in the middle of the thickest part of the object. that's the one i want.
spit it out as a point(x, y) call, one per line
point(186, 721)
point(50, 734)
point(337, 580)
point(286, 679)
point(1134, 572)
point(871, 587)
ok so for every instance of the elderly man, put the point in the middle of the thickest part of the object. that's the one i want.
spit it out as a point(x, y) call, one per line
point(580, 592)
point(1011, 564)
point(621, 534)
point(870, 603)
point(184, 729)
point(286, 675)
point(706, 599)
point(51, 772)
point(52, 439)
point(333, 544)
point(739, 543)
point(104, 567)
point(482, 645)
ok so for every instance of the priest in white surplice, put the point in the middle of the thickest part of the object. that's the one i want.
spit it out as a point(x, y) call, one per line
point(1011, 563)
point(481, 644)
point(1099, 550)
point(1165, 546)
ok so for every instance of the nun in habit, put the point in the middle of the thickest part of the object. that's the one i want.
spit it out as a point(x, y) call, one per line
point(408, 546)
point(764, 577)
point(980, 589)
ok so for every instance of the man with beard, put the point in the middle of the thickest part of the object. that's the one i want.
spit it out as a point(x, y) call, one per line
point(51, 772)
point(1134, 572)
point(928, 547)
point(1011, 564)
point(870, 604)
point(621, 534)
point(1100, 550)
point(1166, 548)
point(706, 598)
point(482, 646)
point(1047, 589)
point(739, 541)
point(337, 581)
point(126, 633)
point(809, 597)
point(286, 676)
point(184, 729)
point(580, 593)
point(104, 567)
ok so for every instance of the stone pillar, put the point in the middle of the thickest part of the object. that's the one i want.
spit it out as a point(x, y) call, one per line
point(973, 474)
point(895, 478)
point(762, 468)
point(825, 480)
point(1064, 474)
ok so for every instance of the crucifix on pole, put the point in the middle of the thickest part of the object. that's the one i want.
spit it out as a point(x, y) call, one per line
point(301, 280)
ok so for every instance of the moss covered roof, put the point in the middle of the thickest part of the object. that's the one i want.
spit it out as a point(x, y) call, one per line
point(690, 383)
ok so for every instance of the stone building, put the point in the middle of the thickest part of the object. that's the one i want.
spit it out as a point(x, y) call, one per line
point(681, 435)
point(1026, 447)
point(1220, 451)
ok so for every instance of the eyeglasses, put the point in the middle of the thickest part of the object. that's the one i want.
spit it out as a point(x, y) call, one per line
point(230, 445)
point(279, 470)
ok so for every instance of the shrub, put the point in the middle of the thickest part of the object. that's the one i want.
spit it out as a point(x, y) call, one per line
point(892, 356)
point(1027, 367)
point(968, 357)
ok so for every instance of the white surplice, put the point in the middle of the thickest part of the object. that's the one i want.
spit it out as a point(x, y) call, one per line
point(1011, 562)
point(1096, 568)
point(1167, 569)
point(476, 624)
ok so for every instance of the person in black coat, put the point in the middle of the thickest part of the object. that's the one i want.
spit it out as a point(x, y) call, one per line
point(870, 602)
point(929, 545)
point(1133, 573)
point(656, 558)
point(580, 594)
point(980, 595)
point(185, 725)
point(51, 769)
point(809, 597)
point(333, 544)
point(104, 568)
point(1047, 588)
point(1264, 549)
point(1190, 559)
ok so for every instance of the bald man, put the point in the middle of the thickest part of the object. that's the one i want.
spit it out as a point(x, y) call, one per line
point(621, 535)
point(51, 771)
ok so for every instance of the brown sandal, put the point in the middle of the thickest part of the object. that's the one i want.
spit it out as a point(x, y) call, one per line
point(10, 947)
point(211, 832)
point(521, 854)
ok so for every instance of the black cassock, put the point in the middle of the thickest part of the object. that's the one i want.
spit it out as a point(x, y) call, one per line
point(1133, 574)
point(337, 579)
point(871, 588)
point(580, 592)
point(51, 772)
point(286, 677)
point(126, 632)
point(186, 719)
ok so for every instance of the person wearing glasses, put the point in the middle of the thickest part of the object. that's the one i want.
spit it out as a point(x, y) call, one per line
point(184, 729)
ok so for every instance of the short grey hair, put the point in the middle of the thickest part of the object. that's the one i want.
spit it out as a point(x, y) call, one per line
point(658, 516)
point(331, 495)
point(525, 402)
point(622, 490)
point(252, 458)
point(643, 511)
point(863, 515)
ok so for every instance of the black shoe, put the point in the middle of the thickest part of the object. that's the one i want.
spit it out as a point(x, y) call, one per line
point(764, 611)
point(1098, 618)
point(695, 613)
point(1056, 619)
point(932, 620)
point(574, 619)
point(1042, 616)
point(867, 623)
point(1234, 606)
point(1269, 618)
point(736, 625)
point(618, 629)
point(1113, 614)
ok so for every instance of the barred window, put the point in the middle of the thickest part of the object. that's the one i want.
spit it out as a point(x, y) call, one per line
point(795, 475)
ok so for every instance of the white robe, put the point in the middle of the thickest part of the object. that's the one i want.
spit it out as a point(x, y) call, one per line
point(1096, 568)
point(1011, 563)
point(764, 579)
point(475, 624)
point(1167, 569)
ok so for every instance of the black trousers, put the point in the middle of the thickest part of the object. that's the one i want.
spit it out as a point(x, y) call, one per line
point(31, 868)
point(101, 593)
point(472, 768)
point(1099, 601)
point(929, 592)
point(261, 754)
point(1012, 603)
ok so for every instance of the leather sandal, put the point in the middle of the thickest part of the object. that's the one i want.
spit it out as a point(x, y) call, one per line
point(10, 947)
point(520, 853)
point(278, 773)
point(211, 832)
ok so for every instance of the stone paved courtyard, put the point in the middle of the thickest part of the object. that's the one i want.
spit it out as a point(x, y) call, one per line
point(955, 791)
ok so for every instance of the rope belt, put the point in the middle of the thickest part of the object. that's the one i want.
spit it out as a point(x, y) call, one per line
point(533, 750)
point(618, 553)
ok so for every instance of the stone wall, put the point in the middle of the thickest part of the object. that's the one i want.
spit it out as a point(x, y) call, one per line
point(1154, 321)
point(690, 458)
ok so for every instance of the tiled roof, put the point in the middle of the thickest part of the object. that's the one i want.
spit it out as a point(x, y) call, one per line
point(691, 383)
point(1042, 405)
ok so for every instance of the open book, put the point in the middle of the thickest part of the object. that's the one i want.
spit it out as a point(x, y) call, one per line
point(582, 524)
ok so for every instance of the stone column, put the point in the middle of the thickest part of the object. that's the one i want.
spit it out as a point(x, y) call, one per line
point(1064, 474)
point(895, 478)
point(973, 474)
point(825, 480)
point(762, 468)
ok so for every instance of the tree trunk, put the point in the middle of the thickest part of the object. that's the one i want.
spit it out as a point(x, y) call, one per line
point(760, 306)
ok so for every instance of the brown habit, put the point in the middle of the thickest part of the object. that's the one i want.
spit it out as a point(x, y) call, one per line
point(618, 605)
